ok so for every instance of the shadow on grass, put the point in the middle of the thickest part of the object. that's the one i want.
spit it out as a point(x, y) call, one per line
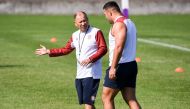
point(11, 66)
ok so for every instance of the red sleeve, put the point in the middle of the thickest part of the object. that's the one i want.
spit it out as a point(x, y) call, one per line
point(62, 51)
point(102, 48)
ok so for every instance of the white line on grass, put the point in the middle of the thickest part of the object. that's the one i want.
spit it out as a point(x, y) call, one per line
point(164, 44)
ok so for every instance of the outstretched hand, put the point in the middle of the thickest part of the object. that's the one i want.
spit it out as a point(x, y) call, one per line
point(42, 51)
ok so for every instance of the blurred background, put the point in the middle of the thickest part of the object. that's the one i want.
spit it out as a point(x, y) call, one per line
point(28, 81)
point(91, 6)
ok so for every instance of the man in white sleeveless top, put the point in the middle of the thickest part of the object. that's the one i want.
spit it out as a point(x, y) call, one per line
point(122, 71)
point(90, 46)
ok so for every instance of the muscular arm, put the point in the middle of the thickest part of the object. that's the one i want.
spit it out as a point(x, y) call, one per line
point(119, 31)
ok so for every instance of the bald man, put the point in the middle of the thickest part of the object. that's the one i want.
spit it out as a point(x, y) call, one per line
point(90, 46)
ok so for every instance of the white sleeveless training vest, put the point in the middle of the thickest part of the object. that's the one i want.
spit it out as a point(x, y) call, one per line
point(129, 51)
point(85, 45)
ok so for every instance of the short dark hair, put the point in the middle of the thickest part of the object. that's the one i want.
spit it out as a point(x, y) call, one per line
point(112, 4)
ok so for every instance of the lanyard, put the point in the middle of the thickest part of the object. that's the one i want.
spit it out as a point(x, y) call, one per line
point(80, 45)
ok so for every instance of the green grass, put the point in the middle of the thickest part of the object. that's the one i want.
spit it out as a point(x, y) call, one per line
point(28, 81)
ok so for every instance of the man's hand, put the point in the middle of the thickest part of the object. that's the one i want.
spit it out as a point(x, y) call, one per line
point(85, 62)
point(112, 73)
point(42, 51)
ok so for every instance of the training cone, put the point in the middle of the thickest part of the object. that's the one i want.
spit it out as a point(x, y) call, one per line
point(53, 39)
point(179, 70)
point(138, 59)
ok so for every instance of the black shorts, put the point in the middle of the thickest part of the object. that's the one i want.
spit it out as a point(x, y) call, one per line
point(87, 89)
point(125, 76)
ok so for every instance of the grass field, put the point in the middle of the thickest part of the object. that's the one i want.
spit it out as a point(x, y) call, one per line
point(28, 81)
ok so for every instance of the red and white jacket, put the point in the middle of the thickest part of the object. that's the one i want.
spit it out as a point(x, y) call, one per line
point(90, 44)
